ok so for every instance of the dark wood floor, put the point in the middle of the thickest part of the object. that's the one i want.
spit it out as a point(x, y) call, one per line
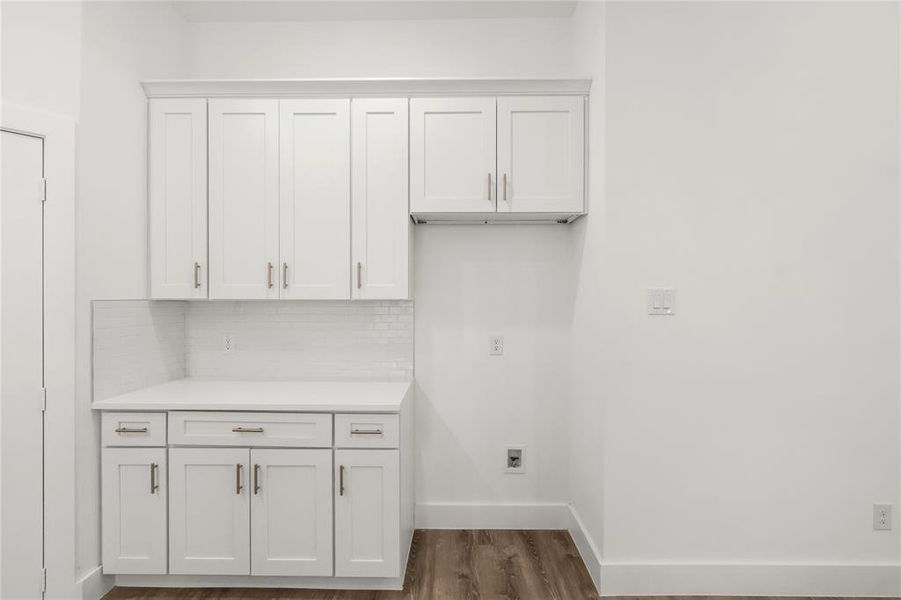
point(444, 565)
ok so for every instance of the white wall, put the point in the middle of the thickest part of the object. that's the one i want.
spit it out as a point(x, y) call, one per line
point(123, 43)
point(335, 49)
point(752, 163)
point(49, 35)
point(472, 282)
point(586, 444)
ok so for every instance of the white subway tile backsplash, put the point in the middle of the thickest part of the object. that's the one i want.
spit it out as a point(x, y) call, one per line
point(139, 343)
point(136, 344)
point(300, 340)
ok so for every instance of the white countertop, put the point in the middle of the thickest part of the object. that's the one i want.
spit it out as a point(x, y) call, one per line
point(225, 394)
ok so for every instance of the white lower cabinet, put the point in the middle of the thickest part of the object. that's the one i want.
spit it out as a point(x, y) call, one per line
point(291, 512)
point(336, 502)
point(134, 510)
point(209, 511)
point(239, 511)
point(367, 513)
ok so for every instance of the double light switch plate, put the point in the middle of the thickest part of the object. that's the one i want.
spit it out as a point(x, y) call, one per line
point(661, 301)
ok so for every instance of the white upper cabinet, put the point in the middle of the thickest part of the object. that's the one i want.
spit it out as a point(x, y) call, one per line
point(315, 199)
point(291, 512)
point(134, 510)
point(243, 205)
point(209, 513)
point(452, 155)
point(178, 205)
point(381, 223)
point(540, 154)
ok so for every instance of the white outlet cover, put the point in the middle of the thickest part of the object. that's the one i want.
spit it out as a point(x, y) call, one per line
point(882, 517)
point(228, 343)
point(495, 345)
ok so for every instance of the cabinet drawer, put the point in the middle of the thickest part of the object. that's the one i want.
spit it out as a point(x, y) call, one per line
point(367, 431)
point(249, 429)
point(133, 429)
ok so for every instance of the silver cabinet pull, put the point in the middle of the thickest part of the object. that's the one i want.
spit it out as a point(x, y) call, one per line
point(285, 275)
point(341, 480)
point(505, 187)
point(238, 487)
point(247, 429)
point(366, 431)
point(154, 485)
point(131, 429)
point(256, 480)
point(269, 275)
point(196, 275)
point(359, 275)
point(489, 187)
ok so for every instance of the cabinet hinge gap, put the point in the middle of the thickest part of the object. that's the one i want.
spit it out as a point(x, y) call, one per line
point(43, 190)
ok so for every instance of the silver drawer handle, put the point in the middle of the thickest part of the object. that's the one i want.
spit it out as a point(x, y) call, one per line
point(131, 430)
point(247, 429)
point(365, 432)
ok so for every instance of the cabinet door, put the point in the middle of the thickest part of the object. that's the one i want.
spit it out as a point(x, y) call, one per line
point(291, 512)
point(452, 155)
point(134, 510)
point(178, 207)
point(315, 199)
point(540, 154)
point(367, 513)
point(243, 199)
point(381, 221)
point(209, 511)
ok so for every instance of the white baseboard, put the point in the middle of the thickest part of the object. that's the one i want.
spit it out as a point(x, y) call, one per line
point(95, 585)
point(750, 580)
point(492, 516)
point(586, 546)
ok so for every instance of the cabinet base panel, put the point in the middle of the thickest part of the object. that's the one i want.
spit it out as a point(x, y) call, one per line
point(249, 581)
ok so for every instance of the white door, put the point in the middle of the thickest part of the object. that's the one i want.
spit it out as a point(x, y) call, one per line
point(134, 510)
point(243, 192)
point(209, 511)
point(315, 199)
point(178, 206)
point(367, 513)
point(21, 357)
point(541, 154)
point(380, 205)
point(291, 512)
point(452, 155)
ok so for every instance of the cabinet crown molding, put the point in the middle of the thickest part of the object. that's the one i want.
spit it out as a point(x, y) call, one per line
point(362, 88)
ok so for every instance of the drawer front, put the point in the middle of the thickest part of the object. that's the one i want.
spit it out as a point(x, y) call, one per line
point(250, 429)
point(367, 431)
point(133, 429)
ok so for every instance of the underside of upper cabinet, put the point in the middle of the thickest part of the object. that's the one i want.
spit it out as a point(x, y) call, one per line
point(306, 190)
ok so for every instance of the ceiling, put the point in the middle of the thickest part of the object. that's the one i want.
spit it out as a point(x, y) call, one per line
point(207, 11)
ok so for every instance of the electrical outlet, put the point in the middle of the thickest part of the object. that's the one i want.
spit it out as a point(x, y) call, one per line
point(496, 345)
point(882, 517)
point(516, 459)
point(228, 343)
